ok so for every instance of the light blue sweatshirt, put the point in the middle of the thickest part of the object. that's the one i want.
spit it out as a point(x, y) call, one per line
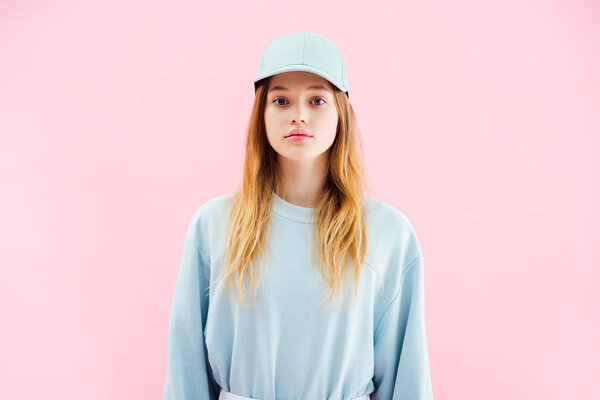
point(287, 347)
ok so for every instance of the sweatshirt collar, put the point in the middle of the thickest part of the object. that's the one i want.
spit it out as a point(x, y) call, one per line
point(291, 211)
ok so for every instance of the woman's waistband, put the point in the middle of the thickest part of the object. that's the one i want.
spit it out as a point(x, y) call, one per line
point(225, 395)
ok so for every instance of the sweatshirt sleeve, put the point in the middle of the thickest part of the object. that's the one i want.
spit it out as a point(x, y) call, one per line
point(400, 344)
point(189, 376)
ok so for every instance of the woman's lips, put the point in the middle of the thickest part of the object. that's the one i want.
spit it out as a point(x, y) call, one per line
point(298, 138)
point(297, 132)
point(298, 135)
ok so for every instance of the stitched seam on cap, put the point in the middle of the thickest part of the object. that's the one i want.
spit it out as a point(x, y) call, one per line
point(303, 47)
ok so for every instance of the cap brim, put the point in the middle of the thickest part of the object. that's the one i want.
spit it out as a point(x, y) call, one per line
point(301, 67)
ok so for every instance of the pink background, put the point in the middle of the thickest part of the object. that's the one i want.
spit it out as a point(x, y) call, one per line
point(481, 123)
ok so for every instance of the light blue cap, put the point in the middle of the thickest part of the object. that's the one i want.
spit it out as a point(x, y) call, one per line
point(303, 51)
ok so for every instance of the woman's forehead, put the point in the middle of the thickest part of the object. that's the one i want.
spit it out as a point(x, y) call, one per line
point(295, 80)
point(293, 85)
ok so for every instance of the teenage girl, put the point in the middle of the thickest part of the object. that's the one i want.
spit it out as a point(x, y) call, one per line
point(298, 237)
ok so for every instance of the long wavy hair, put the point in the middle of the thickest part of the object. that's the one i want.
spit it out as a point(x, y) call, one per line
point(340, 225)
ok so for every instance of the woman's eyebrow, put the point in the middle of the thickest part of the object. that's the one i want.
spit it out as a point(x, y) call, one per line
point(308, 88)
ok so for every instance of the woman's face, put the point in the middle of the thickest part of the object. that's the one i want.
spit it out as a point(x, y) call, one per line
point(292, 103)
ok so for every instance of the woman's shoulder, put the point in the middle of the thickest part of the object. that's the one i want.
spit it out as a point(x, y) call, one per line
point(213, 210)
point(216, 204)
point(387, 223)
point(380, 212)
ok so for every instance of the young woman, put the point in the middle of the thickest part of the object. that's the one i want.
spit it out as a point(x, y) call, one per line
point(300, 231)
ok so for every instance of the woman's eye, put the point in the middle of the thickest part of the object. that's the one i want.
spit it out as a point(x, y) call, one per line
point(276, 101)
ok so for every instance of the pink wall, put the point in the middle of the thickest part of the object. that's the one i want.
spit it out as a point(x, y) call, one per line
point(481, 123)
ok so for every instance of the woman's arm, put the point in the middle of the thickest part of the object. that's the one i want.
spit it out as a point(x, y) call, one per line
point(401, 359)
point(189, 375)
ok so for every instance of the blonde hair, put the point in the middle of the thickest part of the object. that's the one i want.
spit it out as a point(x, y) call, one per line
point(339, 227)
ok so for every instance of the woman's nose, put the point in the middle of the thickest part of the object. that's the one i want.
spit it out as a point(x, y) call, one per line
point(299, 116)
